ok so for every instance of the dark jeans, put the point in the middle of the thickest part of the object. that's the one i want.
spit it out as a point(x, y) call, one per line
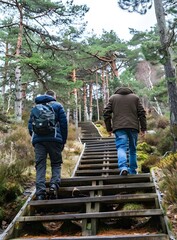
point(42, 149)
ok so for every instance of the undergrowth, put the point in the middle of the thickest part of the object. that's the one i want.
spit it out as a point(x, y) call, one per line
point(17, 166)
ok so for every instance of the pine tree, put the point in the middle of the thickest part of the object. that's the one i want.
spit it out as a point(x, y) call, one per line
point(166, 40)
point(39, 26)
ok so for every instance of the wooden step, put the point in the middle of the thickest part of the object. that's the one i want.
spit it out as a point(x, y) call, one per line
point(97, 166)
point(88, 180)
point(97, 237)
point(101, 215)
point(124, 198)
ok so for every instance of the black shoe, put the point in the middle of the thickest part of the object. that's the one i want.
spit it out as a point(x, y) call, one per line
point(40, 197)
point(124, 173)
point(53, 192)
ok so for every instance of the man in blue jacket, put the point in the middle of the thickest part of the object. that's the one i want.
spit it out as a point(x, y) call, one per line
point(51, 144)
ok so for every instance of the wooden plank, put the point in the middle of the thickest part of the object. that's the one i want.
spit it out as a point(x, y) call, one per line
point(93, 160)
point(97, 172)
point(100, 215)
point(99, 157)
point(98, 199)
point(101, 153)
point(87, 180)
point(100, 146)
point(95, 166)
point(125, 186)
point(147, 236)
point(159, 236)
point(101, 149)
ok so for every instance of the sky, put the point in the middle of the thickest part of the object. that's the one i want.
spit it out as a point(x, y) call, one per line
point(106, 14)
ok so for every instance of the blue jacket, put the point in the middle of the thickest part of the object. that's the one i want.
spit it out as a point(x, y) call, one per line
point(62, 125)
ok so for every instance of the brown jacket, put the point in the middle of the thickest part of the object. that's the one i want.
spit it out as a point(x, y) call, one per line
point(124, 110)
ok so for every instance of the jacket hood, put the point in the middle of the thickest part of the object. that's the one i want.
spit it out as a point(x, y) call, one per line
point(123, 91)
point(44, 99)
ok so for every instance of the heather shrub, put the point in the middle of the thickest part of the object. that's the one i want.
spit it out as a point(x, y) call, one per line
point(165, 143)
point(12, 191)
point(18, 142)
point(161, 139)
point(163, 122)
point(72, 132)
point(168, 162)
point(152, 122)
point(16, 156)
point(168, 166)
point(151, 139)
point(151, 161)
point(169, 185)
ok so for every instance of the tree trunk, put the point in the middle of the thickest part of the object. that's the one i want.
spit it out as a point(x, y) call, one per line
point(68, 108)
point(5, 80)
point(114, 67)
point(97, 103)
point(157, 109)
point(76, 103)
point(90, 101)
point(107, 86)
point(103, 87)
point(18, 90)
point(168, 66)
point(85, 102)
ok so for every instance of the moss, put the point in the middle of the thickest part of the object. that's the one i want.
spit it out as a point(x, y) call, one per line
point(141, 156)
point(144, 147)
point(102, 130)
point(132, 206)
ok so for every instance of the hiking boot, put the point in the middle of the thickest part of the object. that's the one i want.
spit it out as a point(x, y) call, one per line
point(124, 172)
point(75, 192)
point(53, 192)
point(40, 197)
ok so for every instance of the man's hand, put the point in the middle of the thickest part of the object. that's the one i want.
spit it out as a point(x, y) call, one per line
point(143, 133)
point(110, 133)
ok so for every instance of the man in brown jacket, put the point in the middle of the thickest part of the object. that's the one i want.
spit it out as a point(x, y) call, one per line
point(125, 116)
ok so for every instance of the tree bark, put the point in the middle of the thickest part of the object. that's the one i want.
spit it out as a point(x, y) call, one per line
point(168, 66)
point(85, 102)
point(103, 86)
point(18, 90)
point(114, 67)
point(97, 103)
point(76, 102)
point(107, 86)
point(90, 101)
point(5, 75)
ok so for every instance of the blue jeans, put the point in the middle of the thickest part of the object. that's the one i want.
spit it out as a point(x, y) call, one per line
point(126, 139)
point(42, 149)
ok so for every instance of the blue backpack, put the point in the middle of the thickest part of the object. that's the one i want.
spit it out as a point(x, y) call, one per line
point(43, 119)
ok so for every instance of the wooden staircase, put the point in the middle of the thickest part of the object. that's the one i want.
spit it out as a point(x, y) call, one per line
point(96, 202)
